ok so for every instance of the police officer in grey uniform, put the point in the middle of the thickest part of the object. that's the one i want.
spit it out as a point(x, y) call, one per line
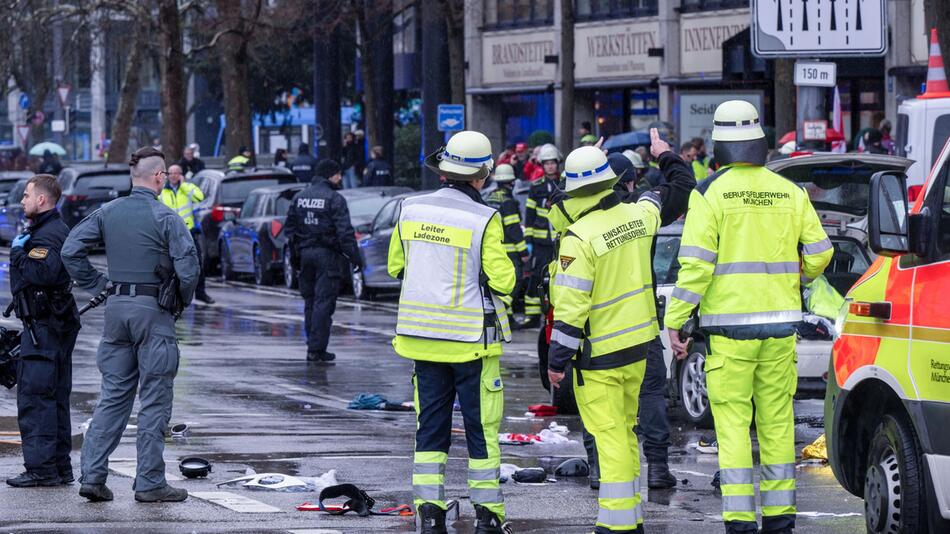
point(138, 344)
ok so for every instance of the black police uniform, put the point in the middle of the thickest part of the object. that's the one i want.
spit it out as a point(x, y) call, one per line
point(539, 235)
point(504, 201)
point(39, 281)
point(319, 228)
point(303, 166)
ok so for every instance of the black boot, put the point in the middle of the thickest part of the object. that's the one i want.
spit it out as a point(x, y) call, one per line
point(591, 446)
point(30, 479)
point(533, 321)
point(95, 492)
point(327, 356)
point(487, 522)
point(165, 494)
point(659, 476)
point(66, 475)
point(432, 519)
point(313, 355)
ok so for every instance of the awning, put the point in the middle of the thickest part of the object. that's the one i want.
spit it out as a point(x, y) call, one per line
point(908, 71)
point(509, 89)
point(616, 84)
point(715, 79)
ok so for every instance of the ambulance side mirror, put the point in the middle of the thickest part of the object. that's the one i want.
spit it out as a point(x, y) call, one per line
point(888, 233)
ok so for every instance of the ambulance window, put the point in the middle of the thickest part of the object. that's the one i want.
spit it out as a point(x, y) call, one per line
point(941, 133)
point(667, 247)
point(943, 228)
point(901, 139)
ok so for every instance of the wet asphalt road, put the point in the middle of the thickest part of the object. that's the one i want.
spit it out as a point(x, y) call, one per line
point(251, 400)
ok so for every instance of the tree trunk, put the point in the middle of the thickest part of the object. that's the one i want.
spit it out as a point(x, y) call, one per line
point(567, 76)
point(97, 68)
point(232, 51)
point(937, 15)
point(173, 89)
point(381, 29)
point(128, 95)
point(455, 33)
point(366, 73)
point(784, 97)
point(435, 88)
point(327, 76)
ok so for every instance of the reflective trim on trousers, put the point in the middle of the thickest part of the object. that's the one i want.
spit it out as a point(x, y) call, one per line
point(622, 332)
point(619, 490)
point(484, 495)
point(484, 474)
point(565, 340)
point(817, 248)
point(778, 471)
point(757, 267)
point(738, 503)
point(778, 497)
point(428, 469)
point(699, 253)
point(686, 295)
point(735, 475)
point(610, 518)
point(514, 218)
point(428, 492)
point(621, 297)
point(736, 319)
point(573, 282)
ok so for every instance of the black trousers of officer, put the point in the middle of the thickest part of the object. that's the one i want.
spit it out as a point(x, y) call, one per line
point(541, 257)
point(319, 285)
point(199, 244)
point(654, 424)
point(44, 383)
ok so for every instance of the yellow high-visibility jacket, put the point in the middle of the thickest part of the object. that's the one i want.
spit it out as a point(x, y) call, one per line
point(183, 200)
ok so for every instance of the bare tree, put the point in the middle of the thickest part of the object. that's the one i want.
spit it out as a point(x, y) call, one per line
point(231, 43)
point(784, 97)
point(128, 95)
point(567, 75)
point(455, 31)
point(172, 68)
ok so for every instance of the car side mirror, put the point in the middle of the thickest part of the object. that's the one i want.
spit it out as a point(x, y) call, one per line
point(888, 226)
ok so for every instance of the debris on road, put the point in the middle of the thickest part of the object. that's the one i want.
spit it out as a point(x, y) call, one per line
point(573, 467)
point(542, 410)
point(375, 401)
point(818, 450)
point(531, 475)
point(358, 501)
point(284, 483)
point(194, 467)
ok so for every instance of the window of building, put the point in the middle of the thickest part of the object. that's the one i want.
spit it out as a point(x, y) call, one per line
point(518, 13)
point(711, 5)
point(404, 31)
point(606, 9)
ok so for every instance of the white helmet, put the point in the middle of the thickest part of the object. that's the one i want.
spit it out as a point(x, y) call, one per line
point(736, 120)
point(549, 152)
point(635, 159)
point(587, 172)
point(466, 157)
point(504, 173)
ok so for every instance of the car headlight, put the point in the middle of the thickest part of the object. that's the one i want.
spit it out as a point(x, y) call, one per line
point(840, 320)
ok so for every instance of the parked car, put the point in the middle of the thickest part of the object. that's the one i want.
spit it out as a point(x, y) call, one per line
point(12, 220)
point(838, 186)
point(225, 193)
point(364, 202)
point(8, 180)
point(87, 187)
point(374, 248)
point(251, 241)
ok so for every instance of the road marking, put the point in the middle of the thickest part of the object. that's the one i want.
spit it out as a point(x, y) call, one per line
point(315, 531)
point(127, 469)
point(693, 473)
point(235, 502)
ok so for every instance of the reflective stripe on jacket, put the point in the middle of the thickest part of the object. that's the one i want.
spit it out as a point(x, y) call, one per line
point(183, 201)
point(739, 253)
point(443, 243)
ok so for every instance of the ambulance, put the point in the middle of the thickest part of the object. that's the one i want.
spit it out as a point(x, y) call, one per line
point(887, 405)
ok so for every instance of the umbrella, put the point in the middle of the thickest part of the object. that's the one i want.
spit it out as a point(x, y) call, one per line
point(626, 140)
point(40, 148)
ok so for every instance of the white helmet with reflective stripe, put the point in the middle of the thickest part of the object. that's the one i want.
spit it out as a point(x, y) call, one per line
point(504, 173)
point(466, 157)
point(549, 152)
point(736, 120)
point(587, 171)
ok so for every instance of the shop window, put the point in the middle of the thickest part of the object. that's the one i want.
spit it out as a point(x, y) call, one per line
point(608, 9)
point(518, 13)
point(711, 5)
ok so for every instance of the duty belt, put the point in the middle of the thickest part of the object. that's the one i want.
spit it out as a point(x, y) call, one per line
point(134, 290)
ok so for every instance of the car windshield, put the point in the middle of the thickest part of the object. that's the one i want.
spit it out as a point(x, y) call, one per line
point(839, 188)
point(109, 182)
point(6, 186)
point(667, 247)
point(283, 202)
point(235, 190)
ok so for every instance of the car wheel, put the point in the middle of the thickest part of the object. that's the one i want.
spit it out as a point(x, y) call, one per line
point(893, 483)
point(358, 284)
point(262, 275)
point(227, 271)
point(290, 274)
point(693, 397)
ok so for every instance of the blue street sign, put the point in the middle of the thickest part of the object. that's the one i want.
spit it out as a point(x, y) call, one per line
point(24, 101)
point(451, 117)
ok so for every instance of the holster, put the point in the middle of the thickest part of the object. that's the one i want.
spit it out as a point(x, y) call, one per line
point(169, 291)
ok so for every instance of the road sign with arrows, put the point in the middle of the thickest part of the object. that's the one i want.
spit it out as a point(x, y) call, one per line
point(819, 28)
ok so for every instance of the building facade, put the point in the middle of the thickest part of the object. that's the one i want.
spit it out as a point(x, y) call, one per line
point(641, 61)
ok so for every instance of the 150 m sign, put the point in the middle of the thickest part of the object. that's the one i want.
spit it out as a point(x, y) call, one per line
point(815, 74)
